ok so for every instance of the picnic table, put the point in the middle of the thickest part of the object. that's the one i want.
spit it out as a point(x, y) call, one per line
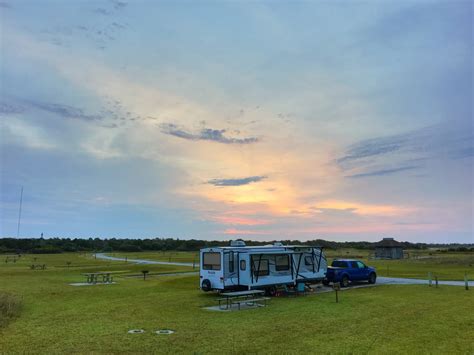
point(250, 297)
point(93, 277)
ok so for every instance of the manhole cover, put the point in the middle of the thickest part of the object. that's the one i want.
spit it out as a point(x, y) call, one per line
point(136, 331)
point(165, 331)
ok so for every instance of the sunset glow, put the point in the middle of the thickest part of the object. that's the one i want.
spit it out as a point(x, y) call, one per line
point(288, 122)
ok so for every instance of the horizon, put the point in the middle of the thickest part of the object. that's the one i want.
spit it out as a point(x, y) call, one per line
point(270, 121)
point(229, 240)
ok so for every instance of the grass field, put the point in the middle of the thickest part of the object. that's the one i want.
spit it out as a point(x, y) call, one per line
point(57, 318)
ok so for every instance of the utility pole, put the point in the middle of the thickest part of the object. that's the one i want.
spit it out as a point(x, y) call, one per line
point(19, 214)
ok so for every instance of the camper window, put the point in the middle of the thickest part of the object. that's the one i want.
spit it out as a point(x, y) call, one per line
point(242, 265)
point(308, 261)
point(211, 261)
point(264, 270)
point(231, 262)
point(282, 263)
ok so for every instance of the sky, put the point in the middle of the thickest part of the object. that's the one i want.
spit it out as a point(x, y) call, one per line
point(340, 120)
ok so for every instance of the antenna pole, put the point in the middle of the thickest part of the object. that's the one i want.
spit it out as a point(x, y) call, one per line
point(19, 214)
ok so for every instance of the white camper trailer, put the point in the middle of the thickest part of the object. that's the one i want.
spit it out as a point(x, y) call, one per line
point(260, 267)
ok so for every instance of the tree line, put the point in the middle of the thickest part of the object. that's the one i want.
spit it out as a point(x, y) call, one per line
point(60, 245)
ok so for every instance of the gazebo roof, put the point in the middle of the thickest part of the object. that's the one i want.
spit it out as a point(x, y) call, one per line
point(388, 243)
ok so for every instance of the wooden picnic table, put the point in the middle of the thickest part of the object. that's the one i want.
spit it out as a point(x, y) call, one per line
point(93, 277)
point(240, 296)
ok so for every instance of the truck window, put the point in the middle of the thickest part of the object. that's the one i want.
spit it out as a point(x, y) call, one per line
point(354, 265)
point(282, 263)
point(211, 261)
point(338, 263)
point(361, 265)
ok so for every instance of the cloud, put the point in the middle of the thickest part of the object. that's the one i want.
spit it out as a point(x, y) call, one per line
point(236, 182)
point(205, 134)
point(374, 147)
point(118, 4)
point(428, 142)
point(244, 221)
point(361, 208)
point(65, 111)
point(383, 172)
point(398, 153)
point(8, 109)
point(102, 11)
point(234, 231)
point(463, 153)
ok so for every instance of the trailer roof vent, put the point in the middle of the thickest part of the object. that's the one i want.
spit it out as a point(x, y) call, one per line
point(278, 244)
point(237, 243)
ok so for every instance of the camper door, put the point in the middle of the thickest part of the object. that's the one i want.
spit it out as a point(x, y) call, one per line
point(212, 268)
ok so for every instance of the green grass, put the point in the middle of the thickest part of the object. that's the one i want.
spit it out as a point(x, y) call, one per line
point(10, 306)
point(447, 266)
point(58, 318)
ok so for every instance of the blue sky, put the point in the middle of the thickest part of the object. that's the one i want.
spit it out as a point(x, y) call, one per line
point(344, 120)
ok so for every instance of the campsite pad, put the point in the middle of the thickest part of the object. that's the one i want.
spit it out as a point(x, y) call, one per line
point(136, 331)
point(164, 331)
point(234, 307)
point(91, 284)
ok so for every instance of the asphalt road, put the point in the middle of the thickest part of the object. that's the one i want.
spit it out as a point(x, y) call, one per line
point(141, 261)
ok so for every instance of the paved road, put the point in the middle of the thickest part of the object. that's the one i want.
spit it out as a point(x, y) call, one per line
point(380, 280)
point(141, 261)
point(401, 281)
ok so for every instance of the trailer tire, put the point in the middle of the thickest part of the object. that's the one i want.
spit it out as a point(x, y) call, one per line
point(372, 278)
point(326, 282)
point(271, 291)
point(206, 285)
point(345, 281)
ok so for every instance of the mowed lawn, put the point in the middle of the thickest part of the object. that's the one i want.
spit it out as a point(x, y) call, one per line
point(58, 318)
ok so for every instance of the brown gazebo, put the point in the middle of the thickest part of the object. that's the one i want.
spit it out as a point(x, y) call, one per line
point(389, 248)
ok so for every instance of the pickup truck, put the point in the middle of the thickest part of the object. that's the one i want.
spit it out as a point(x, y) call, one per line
point(346, 270)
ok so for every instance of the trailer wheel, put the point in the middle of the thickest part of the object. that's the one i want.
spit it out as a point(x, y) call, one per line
point(372, 278)
point(325, 282)
point(345, 281)
point(206, 285)
point(271, 291)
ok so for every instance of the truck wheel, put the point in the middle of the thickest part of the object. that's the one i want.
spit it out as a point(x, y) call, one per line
point(206, 285)
point(372, 278)
point(345, 281)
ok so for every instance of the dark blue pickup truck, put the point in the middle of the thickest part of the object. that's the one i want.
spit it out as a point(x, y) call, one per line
point(346, 270)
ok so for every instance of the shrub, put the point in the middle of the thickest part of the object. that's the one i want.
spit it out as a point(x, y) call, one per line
point(10, 306)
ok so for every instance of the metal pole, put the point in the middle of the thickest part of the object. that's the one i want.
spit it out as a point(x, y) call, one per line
point(466, 284)
point(429, 279)
point(19, 214)
point(436, 280)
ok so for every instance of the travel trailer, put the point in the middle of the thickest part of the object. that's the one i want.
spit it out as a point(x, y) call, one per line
point(260, 267)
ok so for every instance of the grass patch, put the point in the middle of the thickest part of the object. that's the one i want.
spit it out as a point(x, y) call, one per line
point(58, 318)
point(10, 306)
